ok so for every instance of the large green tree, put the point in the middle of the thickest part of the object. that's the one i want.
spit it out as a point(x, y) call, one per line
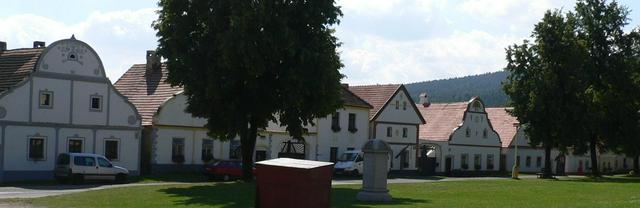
point(542, 84)
point(611, 92)
point(244, 63)
point(583, 86)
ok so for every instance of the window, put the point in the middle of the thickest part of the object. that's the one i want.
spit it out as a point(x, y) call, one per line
point(518, 161)
point(111, 149)
point(484, 133)
point(538, 161)
point(397, 104)
point(389, 131)
point(75, 145)
point(207, 150)
point(104, 163)
point(405, 132)
point(468, 132)
point(333, 154)
point(464, 161)
point(36, 148)
point(477, 161)
point(404, 105)
point(234, 149)
point(352, 122)
point(335, 122)
point(46, 99)
point(490, 162)
point(84, 161)
point(527, 161)
point(96, 103)
point(177, 150)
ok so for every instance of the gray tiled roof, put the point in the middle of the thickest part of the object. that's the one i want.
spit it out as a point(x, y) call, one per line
point(16, 65)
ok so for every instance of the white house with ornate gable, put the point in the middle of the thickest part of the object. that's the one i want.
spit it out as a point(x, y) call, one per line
point(56, 99)
point(461, 137)
point(394, 119)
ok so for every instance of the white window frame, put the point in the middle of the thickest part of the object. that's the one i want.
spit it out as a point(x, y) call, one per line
point(104, 148)
point(44, 148)
point(91, 108)
point(45, 92)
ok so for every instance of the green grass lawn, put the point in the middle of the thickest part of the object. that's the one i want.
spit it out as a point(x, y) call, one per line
point(605, 192)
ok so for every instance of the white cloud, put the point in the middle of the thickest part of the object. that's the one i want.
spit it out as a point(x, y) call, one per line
point(120, 37)
point(369, 6)
point(373, 59)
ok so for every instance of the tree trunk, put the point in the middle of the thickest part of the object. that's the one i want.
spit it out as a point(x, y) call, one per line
point(636, 164)
point(547, 162)
point(248, 143)
point(594, 156)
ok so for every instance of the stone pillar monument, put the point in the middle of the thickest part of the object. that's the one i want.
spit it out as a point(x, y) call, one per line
point(374, 176)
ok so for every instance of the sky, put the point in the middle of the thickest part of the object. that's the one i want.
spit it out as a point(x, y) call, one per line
point(383, 41)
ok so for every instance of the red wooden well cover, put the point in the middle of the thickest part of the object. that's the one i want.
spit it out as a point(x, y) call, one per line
point(286, 182)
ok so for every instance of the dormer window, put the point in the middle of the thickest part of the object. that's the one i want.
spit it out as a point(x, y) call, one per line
point(46, 99)
point(95, 103)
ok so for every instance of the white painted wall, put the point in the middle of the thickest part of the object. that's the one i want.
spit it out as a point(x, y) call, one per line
point(172, 112)
point(82, 92)
point(16, 103)
point(402, 115)
point(342, 139)
point(55, 72)
point(456, 151)
point(57, 59)
point(477, 123)
point(16, 155)
point(61, 100)
point(121, 110)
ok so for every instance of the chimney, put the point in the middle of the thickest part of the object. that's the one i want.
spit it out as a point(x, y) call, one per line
point(38, 44)
point(424, 100)
point(3, 46)
point(153, 61)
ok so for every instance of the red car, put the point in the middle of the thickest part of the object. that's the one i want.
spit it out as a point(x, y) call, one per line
point(225, 169)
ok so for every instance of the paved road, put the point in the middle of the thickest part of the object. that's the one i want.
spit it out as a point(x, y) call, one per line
point(42, 191)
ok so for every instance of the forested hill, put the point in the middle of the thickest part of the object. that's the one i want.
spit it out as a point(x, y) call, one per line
point(487, 86)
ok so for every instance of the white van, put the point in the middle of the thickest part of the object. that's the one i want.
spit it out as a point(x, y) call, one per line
point(350, 162)
point(77, 167)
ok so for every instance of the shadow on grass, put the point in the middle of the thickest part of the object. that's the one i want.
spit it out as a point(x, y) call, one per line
point(169, 177)
point(346, 197)
point(237, 194)
point(606, 179)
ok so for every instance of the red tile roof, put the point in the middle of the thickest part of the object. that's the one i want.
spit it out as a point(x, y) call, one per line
point(351, 99)
point(16, 65)
point(503, 123)
point(147, 91)
point(376, 95)
point(442, 119)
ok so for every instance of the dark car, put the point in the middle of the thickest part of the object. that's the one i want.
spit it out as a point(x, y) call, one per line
point(224, 169)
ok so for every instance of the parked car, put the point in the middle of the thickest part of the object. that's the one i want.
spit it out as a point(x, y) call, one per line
point(224, 169)
point(77, 167)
